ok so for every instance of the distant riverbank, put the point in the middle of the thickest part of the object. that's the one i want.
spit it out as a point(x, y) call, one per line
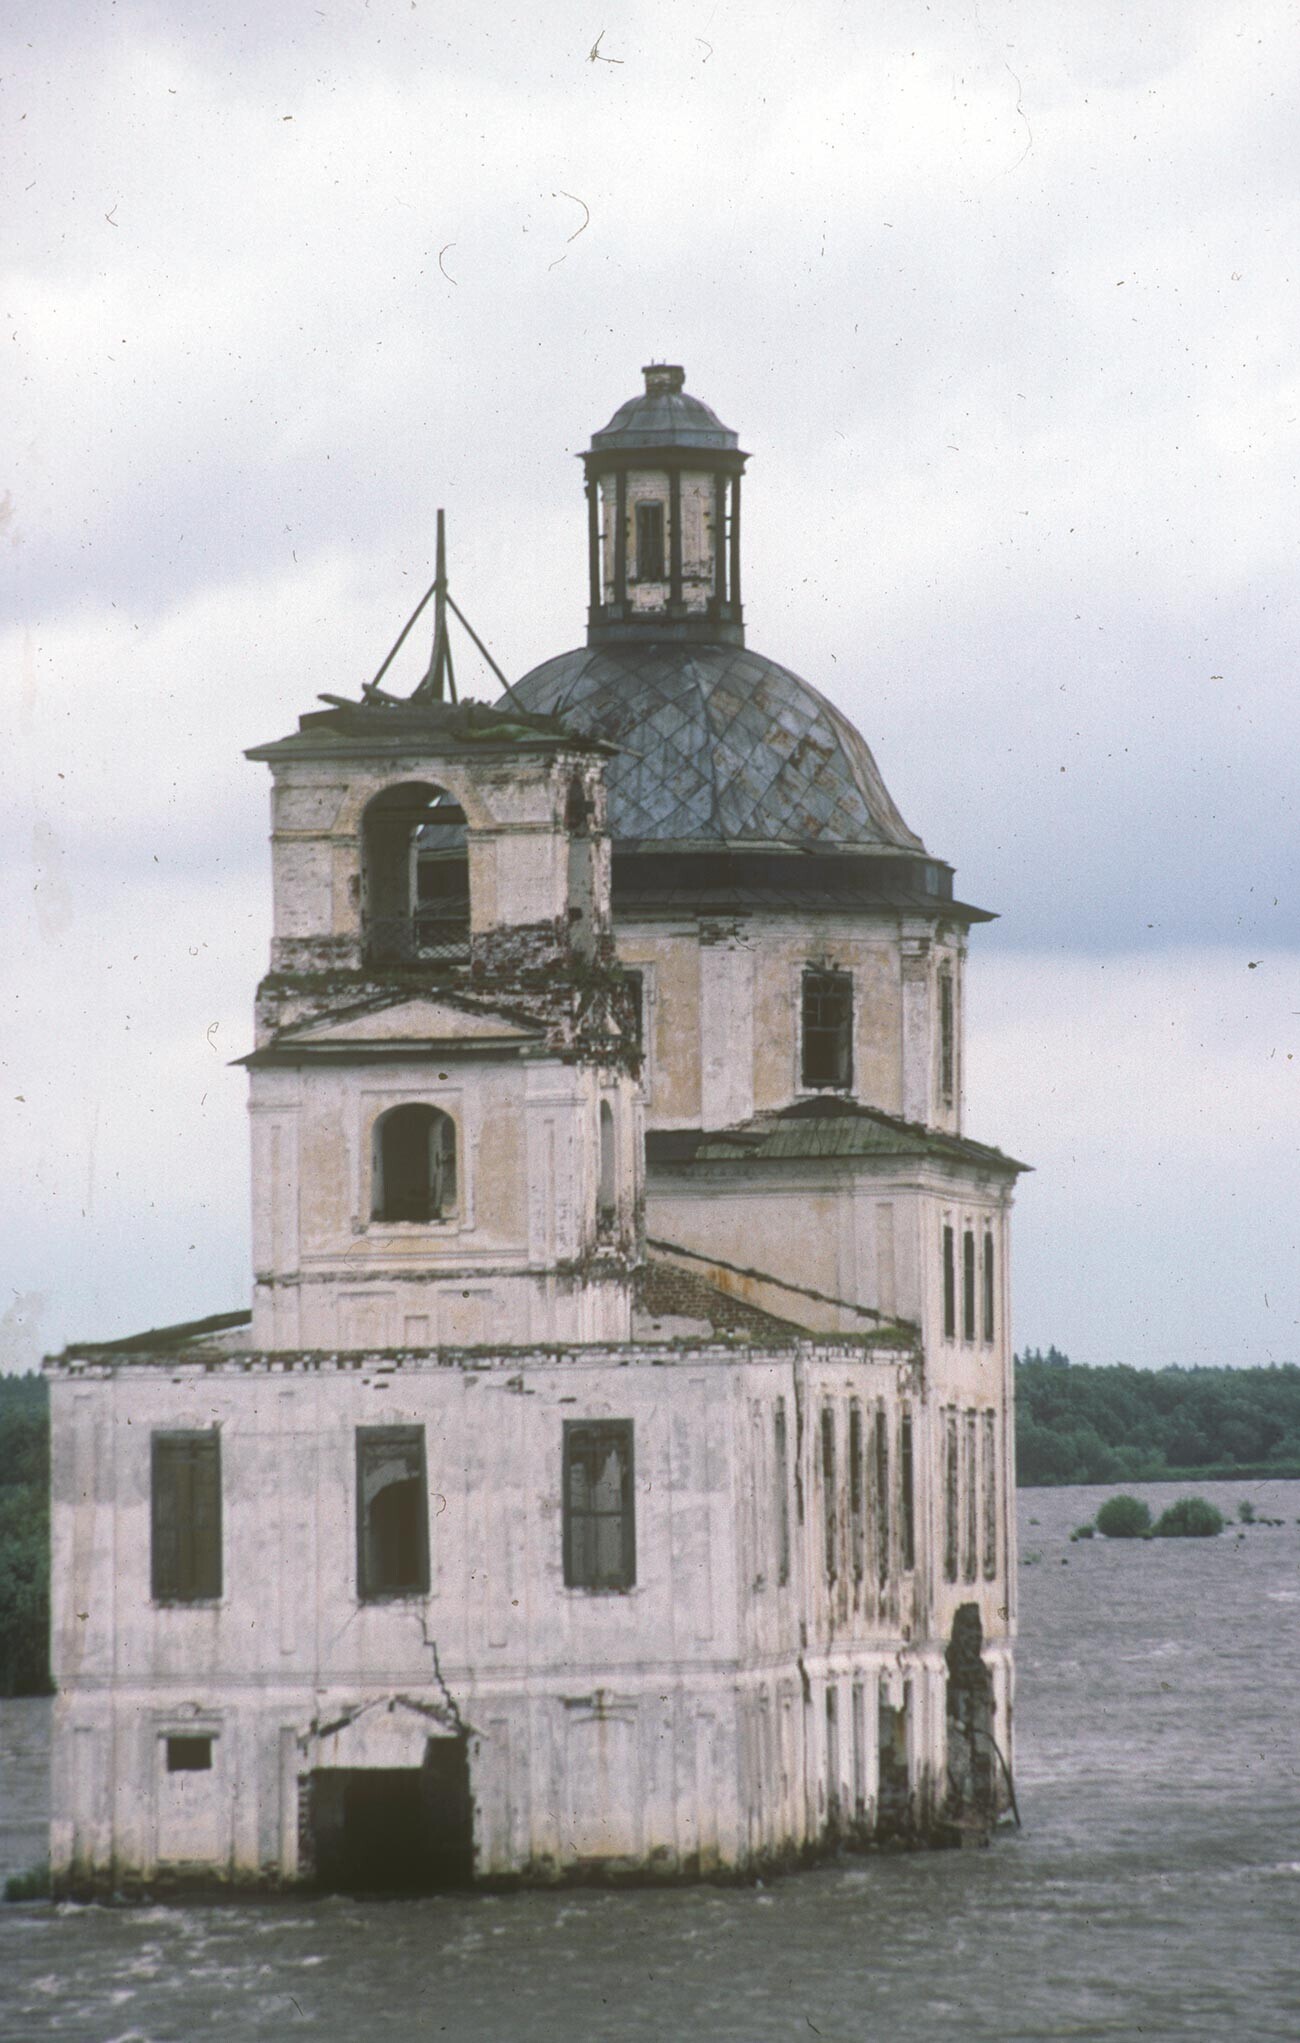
point(1077, 1424)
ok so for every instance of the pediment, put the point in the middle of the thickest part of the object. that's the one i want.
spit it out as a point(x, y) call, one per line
point(419, 1021)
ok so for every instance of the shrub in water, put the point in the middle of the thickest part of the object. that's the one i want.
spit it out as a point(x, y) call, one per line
point(30, 1886)
point(1246, 1513)
point(1189, 1518)
point(1083, 1532)
point(1123, 1518)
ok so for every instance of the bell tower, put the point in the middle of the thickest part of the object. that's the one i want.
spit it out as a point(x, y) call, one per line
point(447, 1145)
point(663, 520)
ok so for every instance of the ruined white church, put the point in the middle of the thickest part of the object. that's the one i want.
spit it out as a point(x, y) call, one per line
point(613, 1478)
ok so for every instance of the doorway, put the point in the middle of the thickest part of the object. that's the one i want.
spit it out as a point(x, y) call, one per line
point(395, 1830)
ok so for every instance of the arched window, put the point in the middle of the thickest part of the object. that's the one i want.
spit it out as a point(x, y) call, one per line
point(607, 1197)
point(415, 876)
point(413, 1172)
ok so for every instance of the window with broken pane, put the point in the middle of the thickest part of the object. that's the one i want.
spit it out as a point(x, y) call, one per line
point(599, 1522)
point(392, 1512)
point(827, 1029)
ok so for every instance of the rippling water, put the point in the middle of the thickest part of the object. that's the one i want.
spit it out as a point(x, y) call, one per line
point(1153, 1892)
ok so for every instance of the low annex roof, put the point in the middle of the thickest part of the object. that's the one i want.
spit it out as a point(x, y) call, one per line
point(821, 1128)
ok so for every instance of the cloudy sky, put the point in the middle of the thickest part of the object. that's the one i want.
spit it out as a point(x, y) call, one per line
point(1002, 297)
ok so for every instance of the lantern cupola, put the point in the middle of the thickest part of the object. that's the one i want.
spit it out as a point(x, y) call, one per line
point(663, 519)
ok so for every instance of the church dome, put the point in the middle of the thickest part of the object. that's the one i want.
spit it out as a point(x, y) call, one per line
point(719, 747)
point(663, 415)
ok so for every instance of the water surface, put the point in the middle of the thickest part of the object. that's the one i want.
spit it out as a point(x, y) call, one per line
point(1153, 1892)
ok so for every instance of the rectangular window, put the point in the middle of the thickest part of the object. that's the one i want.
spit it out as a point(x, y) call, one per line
point(635, 983)
point(947, 1039)
point(968, 1286)
point(906, 1493)
point(186, 1517)
point(949, 1285)
point(782, 1495)
point(857, 1499)
point(970, 1499)
point(951, 1484)
point(882, 1493)
point(990, 1495)
point(599, 1515)
point(989, 1278)
point(649, 542)
point(392, 1512)
point(189, 1755)
point(827, 1028)
point(828, 1489)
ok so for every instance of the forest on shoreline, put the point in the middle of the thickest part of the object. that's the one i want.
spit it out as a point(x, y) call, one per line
point(1074, 1424)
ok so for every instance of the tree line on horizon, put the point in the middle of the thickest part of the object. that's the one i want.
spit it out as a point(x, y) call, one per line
point(1075, 1423)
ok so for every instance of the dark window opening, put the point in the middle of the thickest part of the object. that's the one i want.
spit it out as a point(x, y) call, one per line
point(635, 984)
point(649, 542)
point(907, 1492)
point(599, 1518)
point(828, 1490)
point(882, 1493)
point(951, 1481)
point(186, 1517)
point(577, 809)
point(970, 1498)
point(857, 1514)
point(990, 1424)
point(827, 1029)
point(947, 1041)
point(989, 1286)
point(782, 1494)
point(392, 1830)
point(607, 1194)
point(392, 1512)
point(832, 1755)
point(949, 1285)
point(415, 877)
point(414, 1165)
point(968, 1286)
point(189, 1755)
point(893, 1805)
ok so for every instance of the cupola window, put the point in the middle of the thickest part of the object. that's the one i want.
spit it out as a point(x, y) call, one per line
point(414, 1165)
point(650, 542)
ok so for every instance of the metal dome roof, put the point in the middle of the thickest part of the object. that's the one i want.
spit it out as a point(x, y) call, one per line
point(718, 746)
point(663, 415)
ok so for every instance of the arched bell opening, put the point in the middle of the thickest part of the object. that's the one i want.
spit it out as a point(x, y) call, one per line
point(415, 877)
point(413, 1165)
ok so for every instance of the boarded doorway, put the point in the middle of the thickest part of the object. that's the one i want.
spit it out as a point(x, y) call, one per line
point(394, 1830)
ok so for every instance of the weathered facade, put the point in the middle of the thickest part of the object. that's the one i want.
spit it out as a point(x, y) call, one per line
point(613, 1477)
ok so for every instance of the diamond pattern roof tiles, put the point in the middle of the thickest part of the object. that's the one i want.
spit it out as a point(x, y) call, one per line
point(719, 744)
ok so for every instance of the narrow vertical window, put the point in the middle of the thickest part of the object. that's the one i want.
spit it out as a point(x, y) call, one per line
point(990, 1423)
point(392, 1512)
point(828, 1489)
point(832, 1754)
point(827, 1029)
point(186, 1517)
point(947, 1039)
point(883, 1558)
point(634, 981)
point(950, 1488)
point(607, 1193)
point(857, 1499)
point(968, 1286)
point(906, 1494)
point(782, 1458)
point(970, 1500)
point(649, 542)
point(599, 1526)
point(859, 1750)
point(949, 1285)
point(989, 1285)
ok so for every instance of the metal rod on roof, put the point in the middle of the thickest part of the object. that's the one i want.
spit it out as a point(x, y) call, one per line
point(403, 635)
point(453, 605)
point(439, 677)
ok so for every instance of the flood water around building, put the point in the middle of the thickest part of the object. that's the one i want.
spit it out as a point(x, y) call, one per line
point(1154, 1891)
